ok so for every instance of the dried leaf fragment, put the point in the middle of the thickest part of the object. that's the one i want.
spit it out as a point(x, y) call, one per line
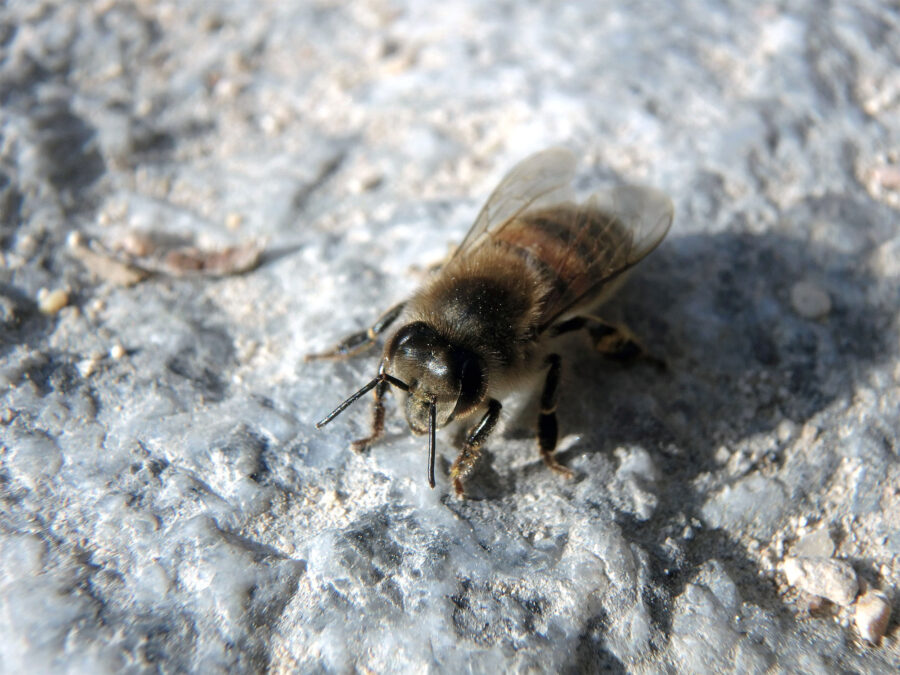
point(224, 262)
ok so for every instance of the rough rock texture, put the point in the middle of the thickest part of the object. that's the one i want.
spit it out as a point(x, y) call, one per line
point(828, 578)
point(166, 502)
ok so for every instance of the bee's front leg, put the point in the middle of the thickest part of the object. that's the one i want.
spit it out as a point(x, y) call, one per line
point(377, 429)
point(548, 430)
point(472, 447)
point(359, 342)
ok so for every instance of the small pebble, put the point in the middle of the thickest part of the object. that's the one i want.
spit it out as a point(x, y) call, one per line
point(785, 430)
point(817, 543)
point(831, 579)
point(8, 310)
point(96, 306)
point(136, 243)
point(50, 302)
point(873, 612)
point(722, 455)
point(809, 300)
point(87, 367)
point(26, 246)
point(778, 546)
point(116, 352)
point(234, 220)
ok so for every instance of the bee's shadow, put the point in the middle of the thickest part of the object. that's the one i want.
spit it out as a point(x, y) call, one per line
point(742, 360)
point(741, 357)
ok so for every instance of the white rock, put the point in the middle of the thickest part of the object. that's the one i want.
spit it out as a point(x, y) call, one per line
point(87, 367)
point(817, 543)
point(50, 302)
point(834, 580)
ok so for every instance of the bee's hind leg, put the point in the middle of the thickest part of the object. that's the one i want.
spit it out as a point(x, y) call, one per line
point(548, 430)
point(359, 342)
point(620, 344)
point(472, 447)
point(615, 342)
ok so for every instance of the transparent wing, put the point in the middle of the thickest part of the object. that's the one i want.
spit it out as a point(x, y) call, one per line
point(645, 213)
point(542, 179)
point(596, 243)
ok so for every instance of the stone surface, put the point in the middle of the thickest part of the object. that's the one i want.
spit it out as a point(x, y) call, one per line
point(167, 504)
point(809, 300)
point(872, 614)
point(817, 543)
point(827, 578)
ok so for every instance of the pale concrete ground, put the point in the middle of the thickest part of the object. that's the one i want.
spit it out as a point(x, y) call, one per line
point(166, 502)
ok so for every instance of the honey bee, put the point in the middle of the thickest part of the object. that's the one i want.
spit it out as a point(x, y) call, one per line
point(532, 266)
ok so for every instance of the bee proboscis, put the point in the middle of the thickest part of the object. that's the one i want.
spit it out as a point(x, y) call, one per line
point(531, 268)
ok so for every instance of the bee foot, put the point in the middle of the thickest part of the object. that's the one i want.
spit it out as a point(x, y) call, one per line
point(361, 446)
point(458, 487)
point(656, 362)
point(558, 468)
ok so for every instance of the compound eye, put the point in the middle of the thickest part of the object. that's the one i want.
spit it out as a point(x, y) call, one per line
point(413, 342)
point(437, 363)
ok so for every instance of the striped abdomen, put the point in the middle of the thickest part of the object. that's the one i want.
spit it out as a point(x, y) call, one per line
point(575, 249)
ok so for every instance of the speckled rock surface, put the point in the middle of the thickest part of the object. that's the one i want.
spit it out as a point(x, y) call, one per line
point(168, 505)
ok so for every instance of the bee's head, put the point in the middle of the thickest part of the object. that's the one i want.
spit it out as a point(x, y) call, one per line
point(437, 373)
point(443, 381)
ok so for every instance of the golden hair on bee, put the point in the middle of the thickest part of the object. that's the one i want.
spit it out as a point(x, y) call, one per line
point(534, 265)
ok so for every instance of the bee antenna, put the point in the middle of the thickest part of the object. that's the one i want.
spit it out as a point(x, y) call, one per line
point(432, 415)
point(347, 403)
point(381, 377)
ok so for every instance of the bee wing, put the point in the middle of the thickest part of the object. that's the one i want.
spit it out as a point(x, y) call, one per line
point(541, 179)
point(606, 236)
point(646, 214)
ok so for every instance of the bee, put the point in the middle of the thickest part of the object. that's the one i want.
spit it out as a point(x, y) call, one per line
point(531, 268)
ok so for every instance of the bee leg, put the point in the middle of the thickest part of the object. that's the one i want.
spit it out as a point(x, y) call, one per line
point(619, 344)
point(575, 323)
point(359, 342)
point(614, 342)
point(548, 430)
point(472, 447)
point(377, 431)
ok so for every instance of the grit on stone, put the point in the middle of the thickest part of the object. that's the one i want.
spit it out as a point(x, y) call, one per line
point(167, 504)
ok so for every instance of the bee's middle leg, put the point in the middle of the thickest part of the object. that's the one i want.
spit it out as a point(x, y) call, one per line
point(359, 342)
point(472, 447)
point(548, 430)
